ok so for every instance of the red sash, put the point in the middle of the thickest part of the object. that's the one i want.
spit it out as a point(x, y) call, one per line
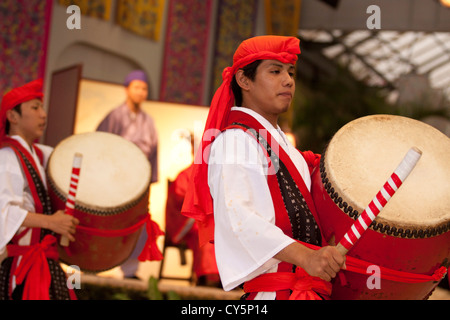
point(303, 286)
point(33, 269)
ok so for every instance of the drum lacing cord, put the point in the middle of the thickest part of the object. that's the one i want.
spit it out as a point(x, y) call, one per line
point(100, 212)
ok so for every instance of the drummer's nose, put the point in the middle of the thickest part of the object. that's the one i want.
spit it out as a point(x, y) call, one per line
point(42, 113)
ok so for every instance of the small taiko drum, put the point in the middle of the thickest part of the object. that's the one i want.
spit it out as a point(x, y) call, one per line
point(411, 234)
point(111, 197)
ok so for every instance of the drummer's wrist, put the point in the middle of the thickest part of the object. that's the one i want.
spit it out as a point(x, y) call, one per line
point(36, 220)
point(296, 254)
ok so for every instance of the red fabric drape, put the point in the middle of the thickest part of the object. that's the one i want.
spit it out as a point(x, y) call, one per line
point(303, 286)
point(151, 251)
point(33, 267)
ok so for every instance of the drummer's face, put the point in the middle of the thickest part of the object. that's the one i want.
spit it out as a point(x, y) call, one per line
point(137, 91)
point(31, 122)
point(272, 90)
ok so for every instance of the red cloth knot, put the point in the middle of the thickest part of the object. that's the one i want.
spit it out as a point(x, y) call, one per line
point(440, 273)
point(303, 286)
point(307, 287)
point(227, 74)
point(33, 268)
point(151, 251)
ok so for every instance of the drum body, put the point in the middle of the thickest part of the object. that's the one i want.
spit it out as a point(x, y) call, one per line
point(411, 234)
point(112, 196)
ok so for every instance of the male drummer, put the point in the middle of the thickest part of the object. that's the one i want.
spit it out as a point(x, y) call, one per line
point(256, 208)
point(132, 123)
point(28, 226)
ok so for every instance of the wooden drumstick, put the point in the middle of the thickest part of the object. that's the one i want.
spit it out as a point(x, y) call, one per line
point(70, 202)
point(379, 201)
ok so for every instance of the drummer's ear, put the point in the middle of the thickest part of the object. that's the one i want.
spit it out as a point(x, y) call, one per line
point(12, 116)
point(241, 79)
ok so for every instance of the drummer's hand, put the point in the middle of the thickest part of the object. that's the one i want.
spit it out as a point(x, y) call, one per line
point(325, 263)
point(63, 224)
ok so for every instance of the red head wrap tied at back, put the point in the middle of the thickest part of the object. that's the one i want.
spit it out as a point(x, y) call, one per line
point(30, 91)
point(198, 202)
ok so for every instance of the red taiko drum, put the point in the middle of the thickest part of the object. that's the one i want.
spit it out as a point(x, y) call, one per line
point(112, 196)
point(412, 232)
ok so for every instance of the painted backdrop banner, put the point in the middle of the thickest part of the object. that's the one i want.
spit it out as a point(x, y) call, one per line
point(283, 17)
point(24, 28)
point(186, 51)
point(100, 9)
point(142, 17)
point(235, 23)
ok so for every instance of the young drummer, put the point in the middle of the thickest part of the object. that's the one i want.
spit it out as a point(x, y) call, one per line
point(250, 188)
point(28, 226)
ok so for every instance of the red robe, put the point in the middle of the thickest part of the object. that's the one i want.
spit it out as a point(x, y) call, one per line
point(180, 228)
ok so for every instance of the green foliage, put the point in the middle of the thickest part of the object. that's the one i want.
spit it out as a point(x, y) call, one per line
point(320, 110)
point(153, 293)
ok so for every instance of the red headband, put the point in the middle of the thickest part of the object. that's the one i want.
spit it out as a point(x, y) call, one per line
point(30, 91)
point(198, 202)
point(283, 49)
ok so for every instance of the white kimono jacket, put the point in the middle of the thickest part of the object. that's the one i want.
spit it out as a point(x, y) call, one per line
point(15, 196)
point(246, 237)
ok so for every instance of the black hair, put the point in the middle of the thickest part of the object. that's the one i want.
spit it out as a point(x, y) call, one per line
point(250, 73)
point(18, 109)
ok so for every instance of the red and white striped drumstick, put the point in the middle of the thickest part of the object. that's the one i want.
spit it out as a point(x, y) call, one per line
point(379, 201)
point(70, 202)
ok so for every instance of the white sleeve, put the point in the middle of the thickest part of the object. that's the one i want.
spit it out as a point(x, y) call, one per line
point(246, 237)
point(12, 184)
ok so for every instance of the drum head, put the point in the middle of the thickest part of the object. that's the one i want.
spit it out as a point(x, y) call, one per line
point(364, 153)
point(114, 171)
